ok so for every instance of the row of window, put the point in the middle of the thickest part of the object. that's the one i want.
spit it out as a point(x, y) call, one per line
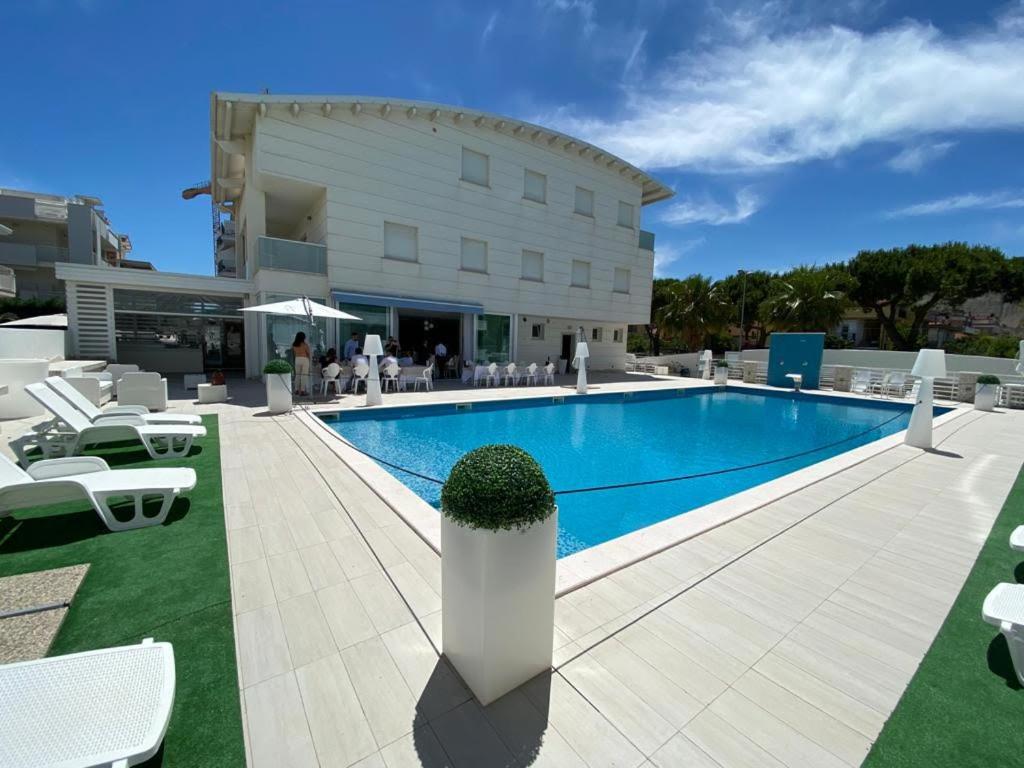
point(401, 243)
point(476, 169)
point(596, 334)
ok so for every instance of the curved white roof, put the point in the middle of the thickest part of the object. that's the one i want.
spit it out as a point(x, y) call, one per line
point(225, 121)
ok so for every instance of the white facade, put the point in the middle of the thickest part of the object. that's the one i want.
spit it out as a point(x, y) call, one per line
point(419, 203)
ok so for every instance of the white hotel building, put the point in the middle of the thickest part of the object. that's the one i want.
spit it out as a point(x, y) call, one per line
point(431, 223)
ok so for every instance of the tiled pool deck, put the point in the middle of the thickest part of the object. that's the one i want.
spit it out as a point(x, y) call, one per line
point(782, 638)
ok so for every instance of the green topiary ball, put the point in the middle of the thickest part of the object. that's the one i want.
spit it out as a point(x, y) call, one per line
point(497, 488)
point(277, 366)
point(988, 378)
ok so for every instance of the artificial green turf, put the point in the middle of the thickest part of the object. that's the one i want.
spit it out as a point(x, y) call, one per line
point(169, 582)
point(964, 706)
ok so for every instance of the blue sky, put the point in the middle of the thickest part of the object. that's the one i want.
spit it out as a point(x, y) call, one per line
point(793, 132)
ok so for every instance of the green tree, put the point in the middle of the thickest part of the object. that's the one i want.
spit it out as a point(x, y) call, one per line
point(901, 285)
point(661, 294)
point(808, 299)
point(695, 308)
point(757, 287)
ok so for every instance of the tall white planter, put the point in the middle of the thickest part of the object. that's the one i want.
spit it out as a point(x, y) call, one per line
point(498, 604)
point(721, 374)
point(279, 392)
point(985, 397)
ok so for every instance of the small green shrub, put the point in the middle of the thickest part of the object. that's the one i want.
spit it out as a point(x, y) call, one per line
point(277, 366)
point(497, 488)
point(988, 378)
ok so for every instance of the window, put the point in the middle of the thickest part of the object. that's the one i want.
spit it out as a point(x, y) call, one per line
point(493, 338)
point(621, 284)
point(400, 241)
point(584, 201)
point(474, 255)
point(580, 273)
point(475, 167)
point(533, 265)
point(597, 334)
point(617, 335)
point(537, 331)
point(625, 215)
point(535, 186)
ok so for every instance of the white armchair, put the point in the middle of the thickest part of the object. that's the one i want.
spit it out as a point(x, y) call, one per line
point(97, 387)
point(117, 370)
point(139, 388)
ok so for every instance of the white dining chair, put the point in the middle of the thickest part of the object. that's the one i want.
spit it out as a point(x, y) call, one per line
point(492, 374)
point(330, 378)
point(426, 379)
point(391, 371)
point(362, 370)
point(511, 377)
point(530, 374)
point(549, 373)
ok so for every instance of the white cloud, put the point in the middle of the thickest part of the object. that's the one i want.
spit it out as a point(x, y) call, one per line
point(968, 202)
point(585, 9)
point(913, 159)
point(668, 254)
point(790, 97)
point(708, 211)
point(492, 22)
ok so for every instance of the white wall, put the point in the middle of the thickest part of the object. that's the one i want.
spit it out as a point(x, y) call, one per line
point(605, 355)
point(32, 343)
point(407, 170)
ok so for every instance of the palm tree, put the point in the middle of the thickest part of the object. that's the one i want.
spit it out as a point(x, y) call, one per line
point(695, 307)
point(808, 299)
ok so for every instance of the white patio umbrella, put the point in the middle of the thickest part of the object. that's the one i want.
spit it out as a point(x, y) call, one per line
point(303, 307)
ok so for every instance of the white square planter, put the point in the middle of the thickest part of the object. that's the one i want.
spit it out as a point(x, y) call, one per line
point(498, 604)
point(721, 374)
point(985, 397)
point(279, 392)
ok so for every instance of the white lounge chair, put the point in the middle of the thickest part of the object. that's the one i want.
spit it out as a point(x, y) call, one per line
point(426, 379)
point(92, 413)
point(52, 481)
point(167, 441)
point(861, 381)
point(108, 707)
point(1017, 539)
point(1004, 608)
point(894, 384)
point(97, 388)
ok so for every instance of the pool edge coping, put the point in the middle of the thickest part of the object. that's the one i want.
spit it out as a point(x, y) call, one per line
point(586, 566)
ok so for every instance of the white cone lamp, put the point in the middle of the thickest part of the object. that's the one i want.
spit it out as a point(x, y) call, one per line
point(930, 364)
point(1020, 359)
point(582, 353)
point(373, 349)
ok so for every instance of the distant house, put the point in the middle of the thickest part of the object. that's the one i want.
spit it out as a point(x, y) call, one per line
point(39, 230)
point(498, 238)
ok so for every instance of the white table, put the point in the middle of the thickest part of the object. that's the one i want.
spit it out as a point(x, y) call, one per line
point(409, 373)
point(480, 372)
point(212, 393)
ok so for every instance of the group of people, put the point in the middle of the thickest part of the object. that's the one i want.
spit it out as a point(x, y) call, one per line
point(352, 353)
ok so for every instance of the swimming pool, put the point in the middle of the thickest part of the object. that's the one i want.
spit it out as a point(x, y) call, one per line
point(608, 439)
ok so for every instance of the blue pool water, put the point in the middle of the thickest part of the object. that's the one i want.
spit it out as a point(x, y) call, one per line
point(607, 439)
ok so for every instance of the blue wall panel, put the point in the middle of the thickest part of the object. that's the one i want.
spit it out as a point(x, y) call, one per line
point(795, 353)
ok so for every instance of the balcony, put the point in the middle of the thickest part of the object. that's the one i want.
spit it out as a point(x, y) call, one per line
point(646, 240)
point(292, 256)
point(7, 284)
point(28, 255)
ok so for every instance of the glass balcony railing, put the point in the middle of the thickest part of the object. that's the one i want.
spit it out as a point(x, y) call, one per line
point(292, 256)
point(28, 255)
point(646, 240)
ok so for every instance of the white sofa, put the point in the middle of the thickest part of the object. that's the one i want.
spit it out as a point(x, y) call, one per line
point(143, 388)
point(97, 387)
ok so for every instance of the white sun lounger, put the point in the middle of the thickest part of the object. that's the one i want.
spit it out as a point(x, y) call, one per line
point(92, 413)
point(1004, 608)
point(170, 441)
point(108, 707)
point(1017, 538)
point(52, 481)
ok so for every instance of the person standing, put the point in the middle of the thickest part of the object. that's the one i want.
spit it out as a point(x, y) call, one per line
point(440, 358)
point(300, 349)
point(351, 346)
